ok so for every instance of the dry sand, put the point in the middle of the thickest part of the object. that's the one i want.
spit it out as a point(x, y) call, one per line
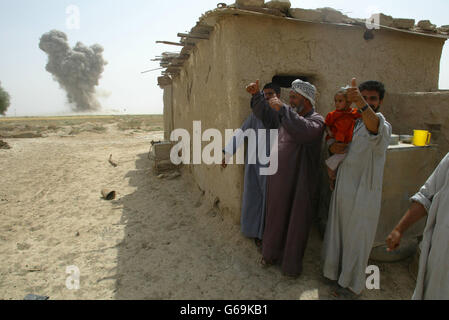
point(157, 240)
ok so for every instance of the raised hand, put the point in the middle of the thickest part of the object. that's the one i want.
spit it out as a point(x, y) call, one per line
point(253, 88)
point(338, 148)
point(354, 94)
point(276, 103)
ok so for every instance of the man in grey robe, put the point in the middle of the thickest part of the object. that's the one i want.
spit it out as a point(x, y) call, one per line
point(255, 184)
point(356, 201)
point(292, 190)
point(432, 200)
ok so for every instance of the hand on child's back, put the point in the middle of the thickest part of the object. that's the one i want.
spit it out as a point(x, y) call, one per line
point(339, 148)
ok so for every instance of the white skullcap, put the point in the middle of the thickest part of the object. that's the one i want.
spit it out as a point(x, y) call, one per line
point(307, 90)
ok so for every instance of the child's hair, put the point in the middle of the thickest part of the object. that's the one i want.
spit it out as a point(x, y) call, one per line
point(342, 91)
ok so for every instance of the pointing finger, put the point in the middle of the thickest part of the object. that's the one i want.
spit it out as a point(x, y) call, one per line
point(354, 83)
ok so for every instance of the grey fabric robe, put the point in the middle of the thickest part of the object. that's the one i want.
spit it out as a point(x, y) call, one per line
point(255, 185)
point(355, 207)
point(433, 273)
point(292, 191)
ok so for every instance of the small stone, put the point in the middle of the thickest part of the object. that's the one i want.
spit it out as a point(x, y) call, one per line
point(77, 234)
point(444, 29)
point(283, 5)
point(4, 145)
point(250, 3)
point(306, 14)
point(426, 25)
point(161, 176)
point(23, 246)
point(174, 176)
point(403, 23)
point(384, 20)
point(35, 297)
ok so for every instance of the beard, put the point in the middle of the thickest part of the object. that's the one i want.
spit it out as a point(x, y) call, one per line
point(299, 108)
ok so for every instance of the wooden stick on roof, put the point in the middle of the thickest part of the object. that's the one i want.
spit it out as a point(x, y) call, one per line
point(171, 43)
point(194, 36)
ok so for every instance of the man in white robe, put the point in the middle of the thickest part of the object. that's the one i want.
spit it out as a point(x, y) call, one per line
point(356, 201)
point(432, 200)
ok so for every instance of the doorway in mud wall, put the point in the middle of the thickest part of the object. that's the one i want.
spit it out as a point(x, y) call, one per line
point(285, 82)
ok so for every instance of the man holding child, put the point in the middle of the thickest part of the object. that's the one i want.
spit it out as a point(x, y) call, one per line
point(355, 203)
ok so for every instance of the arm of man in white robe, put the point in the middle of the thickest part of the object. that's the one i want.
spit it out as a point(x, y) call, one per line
point(381, 139)
point(421, 203)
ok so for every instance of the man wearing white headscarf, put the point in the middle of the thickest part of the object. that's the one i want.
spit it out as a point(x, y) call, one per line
point(292, 190)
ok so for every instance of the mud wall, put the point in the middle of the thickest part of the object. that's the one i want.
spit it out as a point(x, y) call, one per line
point(241, 49)
point(205, 91)
point(420, 111)
point(330, 55)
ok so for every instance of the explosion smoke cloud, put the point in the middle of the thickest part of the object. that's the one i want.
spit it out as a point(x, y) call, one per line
point(77, 70)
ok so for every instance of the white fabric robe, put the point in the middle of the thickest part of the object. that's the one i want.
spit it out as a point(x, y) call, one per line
point(433, 275)
point(355, 207)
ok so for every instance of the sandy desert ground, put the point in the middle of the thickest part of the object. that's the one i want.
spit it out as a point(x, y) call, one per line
point(157, 240)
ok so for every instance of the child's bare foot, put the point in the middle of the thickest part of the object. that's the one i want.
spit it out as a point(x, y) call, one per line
point(332, 184)
point(331, 173)
point(332, 177)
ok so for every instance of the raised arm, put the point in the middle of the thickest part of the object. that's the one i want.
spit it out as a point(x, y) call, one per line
point(302, 129)
point(262, 110)
point(369, 117)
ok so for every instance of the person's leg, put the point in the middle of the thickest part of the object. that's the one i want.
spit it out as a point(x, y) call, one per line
point(332, 177)
point(332, 165)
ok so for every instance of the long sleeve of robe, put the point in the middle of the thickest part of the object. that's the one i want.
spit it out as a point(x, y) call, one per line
point(433, 273)
point(292, 191)
point(355, 207)
point(255, 185)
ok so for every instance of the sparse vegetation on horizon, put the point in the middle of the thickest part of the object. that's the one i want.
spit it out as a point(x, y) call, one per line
point(4, 100)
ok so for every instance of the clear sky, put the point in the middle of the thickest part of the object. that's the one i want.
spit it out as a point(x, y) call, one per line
point(128, 30)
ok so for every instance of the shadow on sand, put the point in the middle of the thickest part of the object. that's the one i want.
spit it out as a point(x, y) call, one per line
point(178, 247)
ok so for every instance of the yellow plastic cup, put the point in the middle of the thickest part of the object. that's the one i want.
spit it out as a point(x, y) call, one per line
point(421, 138)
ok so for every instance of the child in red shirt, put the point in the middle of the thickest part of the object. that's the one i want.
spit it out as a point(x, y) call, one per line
point(340, 127)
